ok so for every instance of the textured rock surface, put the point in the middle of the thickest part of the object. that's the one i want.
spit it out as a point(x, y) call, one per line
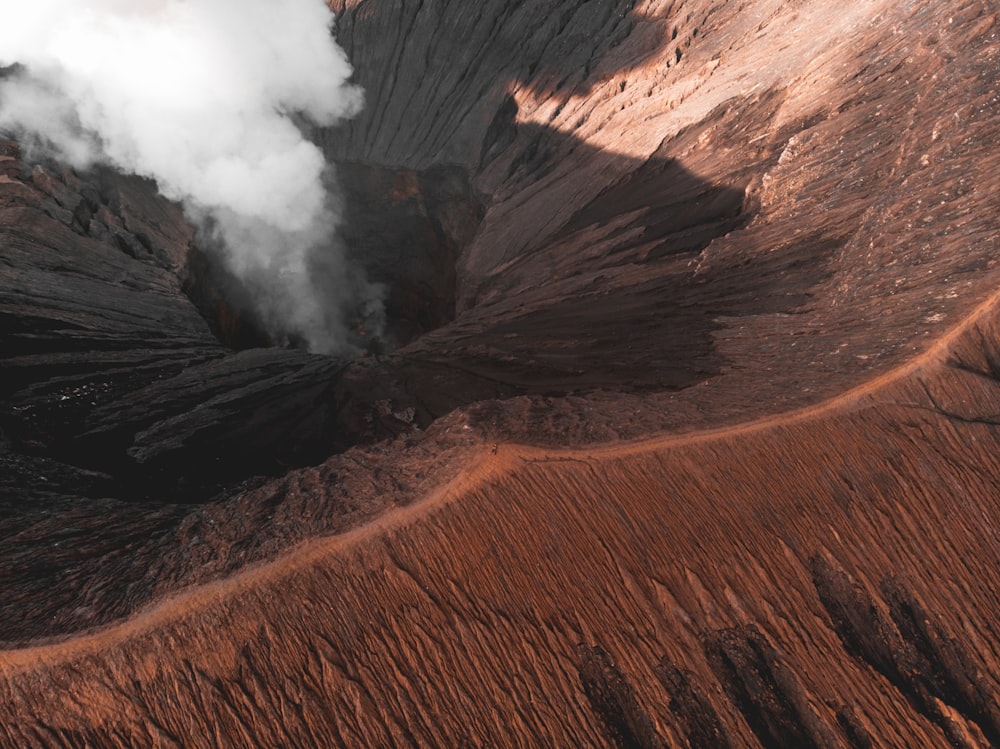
point(688, 438)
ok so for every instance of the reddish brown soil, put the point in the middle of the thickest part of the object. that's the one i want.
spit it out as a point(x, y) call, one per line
point(705, 453)
point(822, 549)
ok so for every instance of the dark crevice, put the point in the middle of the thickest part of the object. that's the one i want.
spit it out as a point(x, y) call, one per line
point(501, 133)
point(988, 347)
point(765, 689)
point(406, 229)
point(899, 641)
point(857, 735)
point(936, 407)
point(697, 718)
point(613, 699)
point(224, 301)
point(946, 667)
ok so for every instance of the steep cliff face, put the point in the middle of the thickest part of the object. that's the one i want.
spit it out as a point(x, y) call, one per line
point(680, 432)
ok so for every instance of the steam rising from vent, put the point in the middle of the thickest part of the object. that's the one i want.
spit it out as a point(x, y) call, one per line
point(205, 97)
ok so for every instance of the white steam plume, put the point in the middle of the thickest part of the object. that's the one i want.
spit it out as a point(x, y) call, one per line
point(202, 96)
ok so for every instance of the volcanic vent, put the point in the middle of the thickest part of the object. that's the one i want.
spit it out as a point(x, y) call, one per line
point(680, 432)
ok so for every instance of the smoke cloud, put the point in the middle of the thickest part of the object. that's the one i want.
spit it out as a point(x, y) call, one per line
point(203, 96)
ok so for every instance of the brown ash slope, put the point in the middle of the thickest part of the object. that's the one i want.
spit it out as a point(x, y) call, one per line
point(669, 222)
point(639, 596)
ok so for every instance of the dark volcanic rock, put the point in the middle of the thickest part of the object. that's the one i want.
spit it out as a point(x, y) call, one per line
point(113, 384)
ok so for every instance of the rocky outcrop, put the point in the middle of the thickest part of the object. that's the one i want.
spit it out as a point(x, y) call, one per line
point(682, 432)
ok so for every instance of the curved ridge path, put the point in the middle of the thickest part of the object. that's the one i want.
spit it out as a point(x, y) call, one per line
point(487, 465)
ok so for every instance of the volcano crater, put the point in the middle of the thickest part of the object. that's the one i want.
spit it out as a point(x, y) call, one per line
point(595, 223)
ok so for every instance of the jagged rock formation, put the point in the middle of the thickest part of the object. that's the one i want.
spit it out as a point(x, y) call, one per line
point(687, 437)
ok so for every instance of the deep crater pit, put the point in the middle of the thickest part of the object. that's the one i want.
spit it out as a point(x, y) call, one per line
point(516, 258)
point(403, 229)
point(192, 418)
